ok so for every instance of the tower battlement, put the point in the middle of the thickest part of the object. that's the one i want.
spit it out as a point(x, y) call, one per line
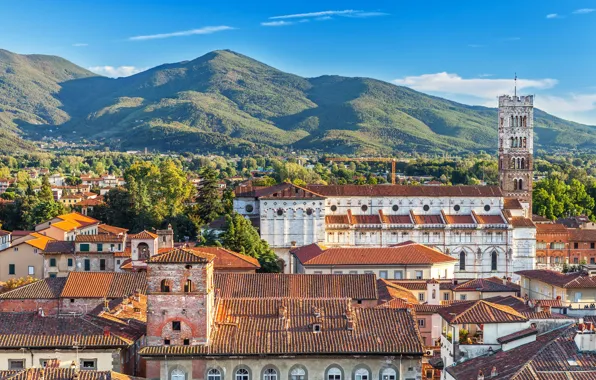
point(510, 101)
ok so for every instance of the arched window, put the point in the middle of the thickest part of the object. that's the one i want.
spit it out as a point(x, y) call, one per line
point(298, 373)
point(493, 260)
point(524, 143)
point(52, 262)
point(516, 122)
point(512, 142)
point(166, 286)
point(512, 166)
point(188, 287)
point(518, 163)
point(361, 374)
point(334, 373)
point(242, 374)
point(389, 374)
point(511, 124)
point(515, 184)
point(525, 121)
point(462, 260)
point(213, 374)
point(501, 122)
point(178, 374)
point(270, 374)
point(519, 184)
point(523, 163)
point(143, 250)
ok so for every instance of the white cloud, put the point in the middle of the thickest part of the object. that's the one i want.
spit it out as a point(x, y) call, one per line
point(191, 32)
point(583, 11)
point(277, 23)
point(485, 75)
point(80, 45)
point(323, 18)
point(325, 15)
point(115, 72)
point(552, 15)
point(477, 87)
point(573, 103)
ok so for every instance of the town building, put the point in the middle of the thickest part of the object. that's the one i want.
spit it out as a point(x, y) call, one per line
point(406, 260)
point(5, 239)
point(576, 290)
point(557, 245)
point(63, 374)
point(191, 334)
point(24, 257)
point(67, 226)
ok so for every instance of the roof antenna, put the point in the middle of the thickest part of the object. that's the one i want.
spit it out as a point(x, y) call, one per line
point(515, 86)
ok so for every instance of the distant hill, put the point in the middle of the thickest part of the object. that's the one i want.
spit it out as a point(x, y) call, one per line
point(227, 102)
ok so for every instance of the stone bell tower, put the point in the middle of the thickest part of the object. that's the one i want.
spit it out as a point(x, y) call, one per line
point(516, 148)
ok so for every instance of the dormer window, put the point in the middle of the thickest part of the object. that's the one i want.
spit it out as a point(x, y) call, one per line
point(316, 328)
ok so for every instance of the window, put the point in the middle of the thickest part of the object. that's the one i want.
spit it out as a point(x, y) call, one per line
point(353, 272)
point(249, 208)
point(456, 207)
point(398, 275)
point(575, 260)
point(11, 269)
point(89, 364)
point(213, 374)
point(364, 208)
point(298, 374)
point(102, 264)
point(420, 296)
point(383, 274)
point(426, 207)
point(188, 287)
point(280, 212)
point(421, 322)
point(16, 249)
point(70, 262)
point(270, 374)
point(463, 297)
point(309, 211)
point(462, 260)
point(31, 270)
point(575, 245)
point(418, 275)
point(338, 272)
point(16, 364)
point(99, 247)
point(446, 297)
point(178, 374)
point(166, 342)
point(186, 342)
point(84, 247)
point(361, 374)
point(493, 261)
point(486, 207)
point(242, 374)
point(176, 325)
point(395, 207)
point(87, 263)
point(166, 285)
point(334, 208)
point(334, 373)
point(592, 245)
point(592, 261)
point(52, 275)
point(389, 374)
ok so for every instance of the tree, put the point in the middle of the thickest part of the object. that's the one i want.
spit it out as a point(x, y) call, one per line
point(565, 267)
point(208, 202)
point(240, 236)
point(45, 193)
point(14, 283)
point(174, 188)
point(73, 181)
point(43, 210)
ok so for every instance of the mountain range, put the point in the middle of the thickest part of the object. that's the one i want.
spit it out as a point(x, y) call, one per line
point(224, 102)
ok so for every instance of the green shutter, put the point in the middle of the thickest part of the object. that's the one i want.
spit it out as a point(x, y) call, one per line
point(84, 247)
point(11, 269)
point(99, 247)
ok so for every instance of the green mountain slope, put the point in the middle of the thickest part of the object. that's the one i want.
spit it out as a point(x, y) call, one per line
point(224, 101)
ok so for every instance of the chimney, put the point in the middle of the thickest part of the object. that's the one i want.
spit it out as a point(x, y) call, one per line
point(106, 331)
point(40, 312)
point(504, 280)
point(538, 307)
point(494, 372)
point(480, 375)
point(293, 244)
point(137, 295)
point(317, 312)
point(106, 305)
point(282, 311)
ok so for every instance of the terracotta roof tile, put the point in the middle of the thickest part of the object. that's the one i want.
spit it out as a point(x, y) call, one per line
point(404, 254)
point(568, 280)
point(405, 190)
point(107, 229)
point(143, 235)
point(542, 228)
point(337, 219)
point(103, 284)
point(291, 191)
point(489, 219)
point(389, 292)
point(421, 284)
point(480, 311)
point(62, 374)
point(48, 288)
point(366, 219)
point(398, 219)
point(249, 285)
point(584, 235)
point(59, 247)
point(484, 285)
point(182, 255)
point(226, 259)
point(459, 219)
point(100, 238)
point(254, 327)
point(517, 335)
point(512, 204)
point(519, 221)
point(39, 241)
point(428, 219)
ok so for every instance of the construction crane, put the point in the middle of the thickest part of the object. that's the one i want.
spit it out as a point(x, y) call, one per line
point(371, 159)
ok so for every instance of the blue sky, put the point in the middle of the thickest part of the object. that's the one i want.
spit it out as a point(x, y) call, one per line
point(464, 50)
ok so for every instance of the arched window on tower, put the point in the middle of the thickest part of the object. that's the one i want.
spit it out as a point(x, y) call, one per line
point(518, 163)
point(517, 121)
point(525, 121)
point(462, 260)
point(520, 184)
point(523, 163)
point(511, 123)
point(524, 142)
point(166, 286)
point(493, 261)
point(512, 165)
point(501, 122)
point(515, 184)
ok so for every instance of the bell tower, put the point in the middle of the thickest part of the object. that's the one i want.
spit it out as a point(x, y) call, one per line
point(516, 148)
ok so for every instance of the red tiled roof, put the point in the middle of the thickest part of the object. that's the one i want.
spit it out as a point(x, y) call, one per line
point(484, 285)
point(519, 221)
point(574, 280)
point(226, 259)
point(390, 292)
point(584, 235)
point(553, 356)
point(284, 190)
point(459, 219)
point(48, 288)
point(421, 284)
point(106, 228)
point(99, 238)
point(103, 284)
point(337, 219)
point(512, 204)
point(489, 219)
point(480, 311)
point(427, 219)
point(403, 254)
point(405, 190)
point(542, 228)
point(59, 247)
point(249, 285)
point(62, 374)
point(517, 335)
point(182, 255)
point(254, 327)
point(366, 219)
point(143, 235)
point(397, 219)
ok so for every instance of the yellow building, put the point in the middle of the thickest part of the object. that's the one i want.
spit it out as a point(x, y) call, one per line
point(576, 289)
point(24, 258)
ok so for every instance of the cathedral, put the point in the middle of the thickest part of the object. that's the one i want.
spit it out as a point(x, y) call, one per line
point(488, 229)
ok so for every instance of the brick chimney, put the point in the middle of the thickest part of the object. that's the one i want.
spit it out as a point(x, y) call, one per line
point(494, 372)
point(106, 331)
point(40, 312)
point(480, 375)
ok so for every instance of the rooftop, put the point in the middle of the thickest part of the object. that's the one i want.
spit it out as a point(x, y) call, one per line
point(479, 312)
point(226, 259)
point(182, 255)
point(281, 326)
point(143, 235)
point(408, 253)
point(573, 280)
point(62, 374)
point(100, 238)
